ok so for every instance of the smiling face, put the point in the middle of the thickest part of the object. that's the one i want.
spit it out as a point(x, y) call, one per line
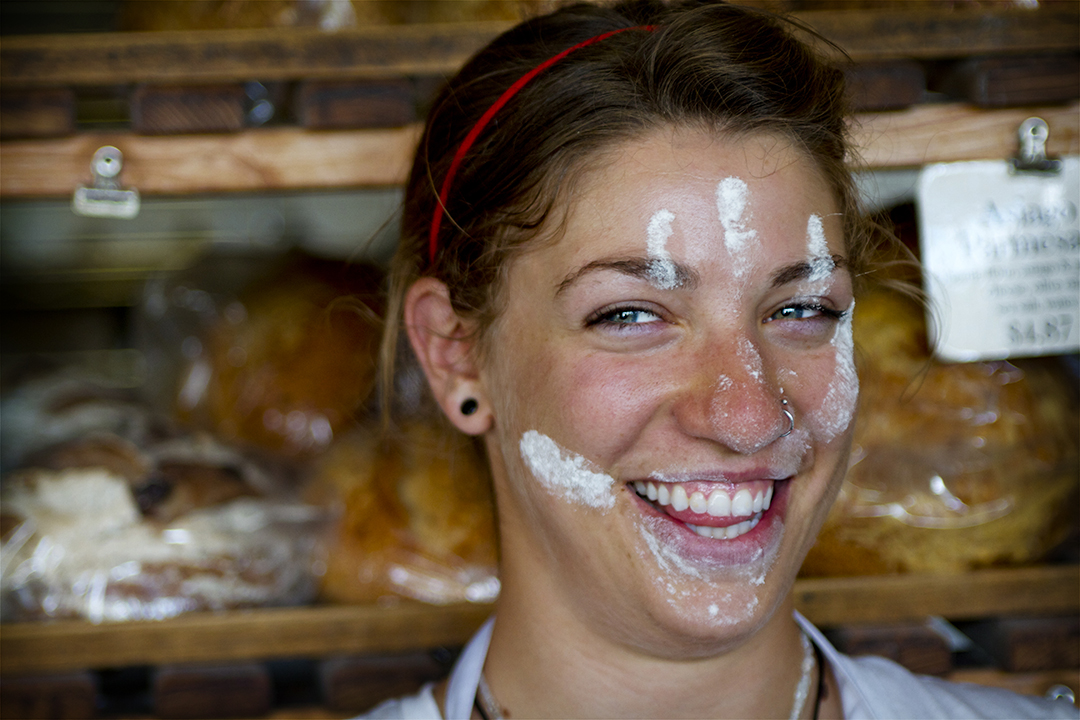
point(646, 477)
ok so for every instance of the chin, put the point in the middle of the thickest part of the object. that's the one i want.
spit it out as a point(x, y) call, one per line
point(705, 596)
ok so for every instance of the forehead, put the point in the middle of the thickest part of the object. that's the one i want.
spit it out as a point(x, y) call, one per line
point(689, 173)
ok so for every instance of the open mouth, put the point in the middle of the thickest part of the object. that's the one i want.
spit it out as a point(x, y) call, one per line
point(718, 511)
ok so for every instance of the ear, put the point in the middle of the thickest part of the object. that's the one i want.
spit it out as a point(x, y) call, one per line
point(444, 345)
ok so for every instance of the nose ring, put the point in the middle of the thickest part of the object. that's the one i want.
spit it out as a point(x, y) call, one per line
point(790, 417)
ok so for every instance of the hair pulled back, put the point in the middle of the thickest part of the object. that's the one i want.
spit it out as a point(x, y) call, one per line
point(721, 67)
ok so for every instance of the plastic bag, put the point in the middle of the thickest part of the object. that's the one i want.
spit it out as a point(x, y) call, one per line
point(105, 531)
point(953, 466)
point(416, 519)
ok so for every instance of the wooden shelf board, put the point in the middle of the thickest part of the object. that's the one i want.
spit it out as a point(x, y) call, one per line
point(275, 159)
point(342, 630)
point(431, 49)
point(1048, 590)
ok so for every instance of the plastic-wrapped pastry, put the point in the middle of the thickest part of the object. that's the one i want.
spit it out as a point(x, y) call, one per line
point(283, 363)
point(103, 530)
point(417, 519)
point(954, 466)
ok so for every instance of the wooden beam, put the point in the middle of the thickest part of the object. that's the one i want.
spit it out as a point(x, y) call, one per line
point(956, 132)
point(229, 55)
point(830, 602)
point(395, 51)
point(928, 34)
point(241, 635)
point(294, 159)
point(338, 630)
point(255, 160)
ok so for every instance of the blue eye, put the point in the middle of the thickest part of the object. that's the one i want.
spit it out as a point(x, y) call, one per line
point(622, 317)
point(805, 311)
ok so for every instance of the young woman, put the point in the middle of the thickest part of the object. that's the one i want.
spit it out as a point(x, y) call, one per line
point(628, 265)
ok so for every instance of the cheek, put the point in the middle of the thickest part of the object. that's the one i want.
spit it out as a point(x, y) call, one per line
point(827, 387)
point(605, 402)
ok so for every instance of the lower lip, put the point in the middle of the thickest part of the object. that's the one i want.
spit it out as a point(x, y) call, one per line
point(743, 550)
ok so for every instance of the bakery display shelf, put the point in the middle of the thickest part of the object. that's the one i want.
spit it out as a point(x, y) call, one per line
point(324, 631)
point(262, 160)
point(186, 57)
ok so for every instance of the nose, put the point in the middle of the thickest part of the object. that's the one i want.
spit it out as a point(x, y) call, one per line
point(732, 399)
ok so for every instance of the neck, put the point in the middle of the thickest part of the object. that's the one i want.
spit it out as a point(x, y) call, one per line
point(544, 663)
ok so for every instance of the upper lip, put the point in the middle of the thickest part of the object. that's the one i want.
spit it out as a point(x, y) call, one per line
point(732, 477)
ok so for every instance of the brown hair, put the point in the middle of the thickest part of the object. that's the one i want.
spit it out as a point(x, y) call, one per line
point(727, 68)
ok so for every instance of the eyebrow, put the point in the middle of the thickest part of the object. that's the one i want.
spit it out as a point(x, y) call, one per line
point(635, 267)
point(803, 270)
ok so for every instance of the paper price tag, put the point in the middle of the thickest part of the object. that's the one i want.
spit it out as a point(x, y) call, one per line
point(1001, 259)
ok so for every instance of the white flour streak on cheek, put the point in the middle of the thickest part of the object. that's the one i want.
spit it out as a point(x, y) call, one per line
point(821, 262)
point(838, 407)
point(662, 268)
point(731, 201)
point(565, 473)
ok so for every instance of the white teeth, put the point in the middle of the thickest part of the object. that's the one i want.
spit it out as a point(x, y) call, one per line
point(698, 503)
point(719, 504)
point(679, 501)
point(742, 503)
point(727, 533)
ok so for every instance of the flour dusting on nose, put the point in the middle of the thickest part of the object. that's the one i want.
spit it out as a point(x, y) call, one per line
point(662, 268)
point(566, 474)
point(821, 262)
point(732, 197)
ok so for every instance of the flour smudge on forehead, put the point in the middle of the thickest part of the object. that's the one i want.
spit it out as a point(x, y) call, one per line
point(732, 198)
point(662, 269)
point(565, 473)
point(817, 250)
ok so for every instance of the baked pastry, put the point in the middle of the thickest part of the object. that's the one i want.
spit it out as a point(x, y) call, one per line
point(291, 362)
point(954, 466)
point(416, 518)
point(103, 530)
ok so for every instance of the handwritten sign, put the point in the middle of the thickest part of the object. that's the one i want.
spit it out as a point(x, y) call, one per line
point(1001, 259)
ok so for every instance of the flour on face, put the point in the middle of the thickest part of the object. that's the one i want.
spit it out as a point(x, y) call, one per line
point(838, 407)
point(732, 196)
point(566, 474)
point(662, 268)
point(817, 250)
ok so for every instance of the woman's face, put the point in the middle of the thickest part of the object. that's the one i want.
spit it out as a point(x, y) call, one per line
point(645, 473)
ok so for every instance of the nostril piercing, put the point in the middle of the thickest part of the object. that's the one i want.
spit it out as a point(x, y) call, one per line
point(790, 417)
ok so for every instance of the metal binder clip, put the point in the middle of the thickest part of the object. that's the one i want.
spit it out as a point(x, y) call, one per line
point(106, 198)
point(1032, 159)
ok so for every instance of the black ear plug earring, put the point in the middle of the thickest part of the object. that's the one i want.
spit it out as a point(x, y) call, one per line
point(469, 406)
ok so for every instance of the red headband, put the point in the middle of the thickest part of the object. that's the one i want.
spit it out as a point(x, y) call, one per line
point(436, 220)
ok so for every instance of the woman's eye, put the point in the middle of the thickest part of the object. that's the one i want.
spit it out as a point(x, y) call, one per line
point(623, 317)
point(805, 311)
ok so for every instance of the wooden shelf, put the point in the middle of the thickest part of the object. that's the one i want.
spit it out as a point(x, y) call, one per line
point(342, 630)
point(292, 158)
point(432, 49)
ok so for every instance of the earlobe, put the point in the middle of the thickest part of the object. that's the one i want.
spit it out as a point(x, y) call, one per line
point(444, 344)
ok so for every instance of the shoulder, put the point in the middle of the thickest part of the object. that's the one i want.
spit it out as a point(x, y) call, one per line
point(888, 690)
point(421, 706)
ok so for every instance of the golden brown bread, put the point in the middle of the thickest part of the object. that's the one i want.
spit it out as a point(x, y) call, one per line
point(955, 466)
point(417, 519)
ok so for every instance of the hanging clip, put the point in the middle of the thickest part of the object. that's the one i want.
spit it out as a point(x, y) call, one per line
point(106, 198)
point(1032, 159)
